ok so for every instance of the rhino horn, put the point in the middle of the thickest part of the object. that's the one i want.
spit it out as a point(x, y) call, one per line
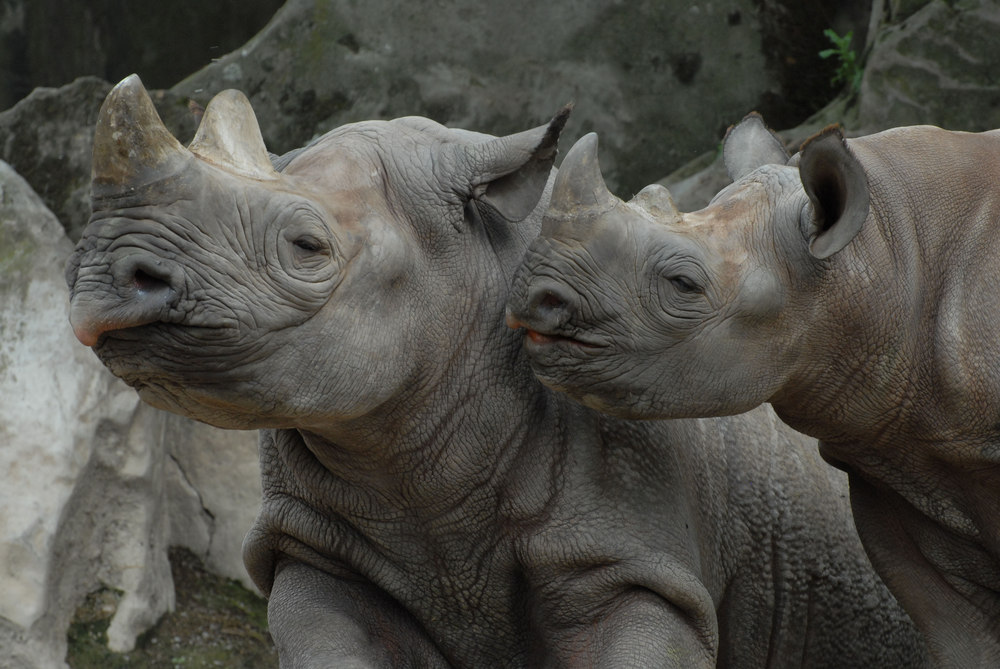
point(132, 147)
point(579, 188)
point(230, 138)
point(657, 200)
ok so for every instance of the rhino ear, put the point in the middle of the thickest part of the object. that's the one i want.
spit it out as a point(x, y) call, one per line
point(228, 136)
point(838, 192)
point(750, 144)
point(510, 173)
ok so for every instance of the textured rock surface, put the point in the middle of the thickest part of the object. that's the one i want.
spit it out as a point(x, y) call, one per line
point(213, 491)
point(59, 410)
point(649, 77)
point(47, 139)
point(52, 42)
point(930, 63)
point(96, 485)
point(937, 65)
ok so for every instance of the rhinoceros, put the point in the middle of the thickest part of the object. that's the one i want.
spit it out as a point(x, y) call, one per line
point(855, 287)
point(426, 501)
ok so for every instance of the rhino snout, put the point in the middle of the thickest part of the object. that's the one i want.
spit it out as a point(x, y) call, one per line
point(546, 308)
point(132, 291)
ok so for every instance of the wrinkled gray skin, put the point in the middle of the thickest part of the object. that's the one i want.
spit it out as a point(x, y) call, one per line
point(855, 287)
point(427, 503)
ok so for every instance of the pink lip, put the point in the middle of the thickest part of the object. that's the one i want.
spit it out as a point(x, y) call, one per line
point(512, 322)
point(543, 339)
point(540, 338)
point(89, 325)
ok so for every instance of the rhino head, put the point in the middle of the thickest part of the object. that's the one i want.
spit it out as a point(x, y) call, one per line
point(639, 310)
point(226, 290)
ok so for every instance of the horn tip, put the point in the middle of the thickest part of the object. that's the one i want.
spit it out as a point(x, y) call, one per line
point(130, 81)
point(589, 142)
point(129, 87)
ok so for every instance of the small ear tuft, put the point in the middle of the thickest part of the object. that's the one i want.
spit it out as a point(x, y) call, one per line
point(838, 193)
point(750, 144)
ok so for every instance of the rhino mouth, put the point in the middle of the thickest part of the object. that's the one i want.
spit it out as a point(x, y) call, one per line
point(539, 336)
point(159, 355)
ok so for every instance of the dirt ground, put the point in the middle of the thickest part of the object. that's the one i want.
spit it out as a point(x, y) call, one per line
point(217, 623)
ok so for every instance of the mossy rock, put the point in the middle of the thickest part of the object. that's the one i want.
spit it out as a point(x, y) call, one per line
point(217, 623)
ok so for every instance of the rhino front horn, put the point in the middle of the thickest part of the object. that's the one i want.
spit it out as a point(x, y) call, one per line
point(132, 147)
point(579, 188)
point(230, 138)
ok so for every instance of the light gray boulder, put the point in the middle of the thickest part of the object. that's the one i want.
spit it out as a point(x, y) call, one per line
point(94, 485)
point(59, 410)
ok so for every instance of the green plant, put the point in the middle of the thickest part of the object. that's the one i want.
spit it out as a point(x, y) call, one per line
point(849, 70)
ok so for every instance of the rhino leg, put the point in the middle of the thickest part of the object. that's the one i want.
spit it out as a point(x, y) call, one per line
point(642, 630)
point(319, 621)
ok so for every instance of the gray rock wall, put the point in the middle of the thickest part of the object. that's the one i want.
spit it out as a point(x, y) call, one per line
point(929, 63)
point(659, 81)
point(937, 64)
point(52, 42)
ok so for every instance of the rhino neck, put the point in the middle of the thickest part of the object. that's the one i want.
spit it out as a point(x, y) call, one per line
point(463, 428)
point(429, 504)
point(893, 408)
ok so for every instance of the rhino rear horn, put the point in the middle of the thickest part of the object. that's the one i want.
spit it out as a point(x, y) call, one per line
point(751, 144)
point(132, 147)
point(510, 173)
point(838, 194)
point(229, 137)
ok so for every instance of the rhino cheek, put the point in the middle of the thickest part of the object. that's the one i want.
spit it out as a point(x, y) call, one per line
point(761, 298)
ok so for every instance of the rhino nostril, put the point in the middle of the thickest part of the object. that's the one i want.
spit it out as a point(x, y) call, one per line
point(147, 283)
point(551, 301)
point(548, 300)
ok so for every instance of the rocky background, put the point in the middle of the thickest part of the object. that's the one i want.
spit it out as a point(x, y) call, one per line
point(96, 487)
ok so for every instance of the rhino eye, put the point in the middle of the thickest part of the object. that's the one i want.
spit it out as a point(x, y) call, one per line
point(308, 244)
point(683, 284)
